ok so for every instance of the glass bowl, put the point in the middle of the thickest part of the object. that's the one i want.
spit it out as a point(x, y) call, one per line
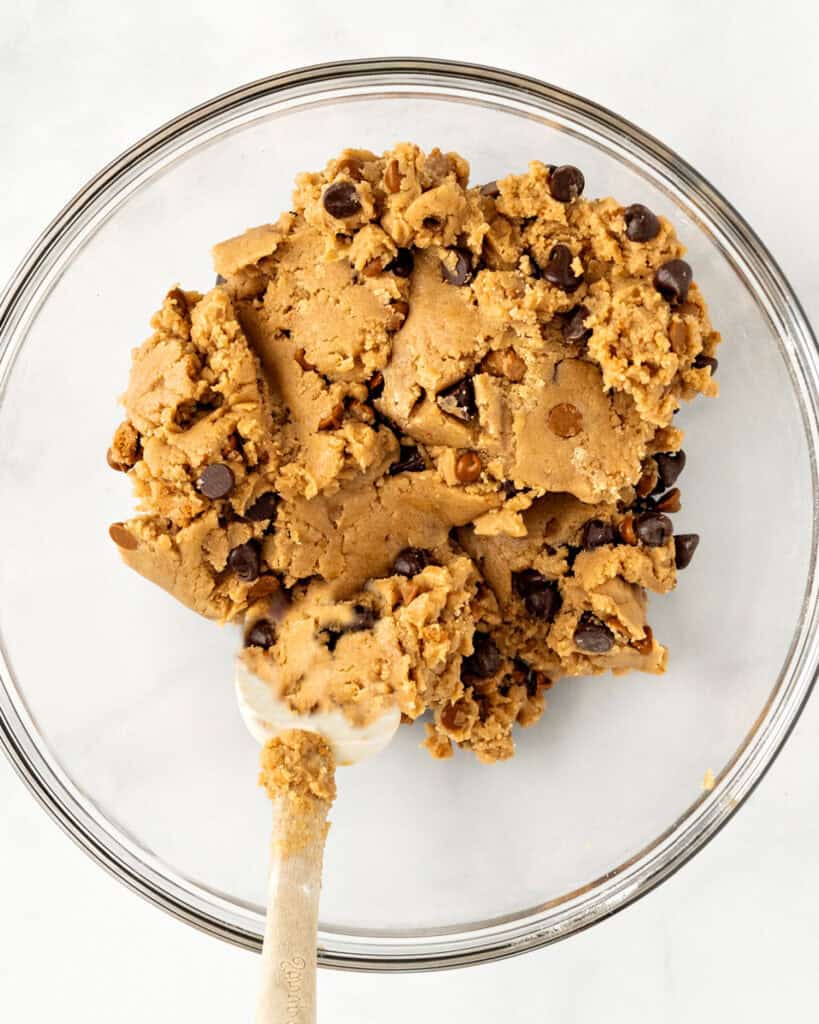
point(116, 704)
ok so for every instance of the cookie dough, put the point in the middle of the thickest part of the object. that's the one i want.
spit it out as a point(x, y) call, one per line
point(419, 439)
point(298, 770)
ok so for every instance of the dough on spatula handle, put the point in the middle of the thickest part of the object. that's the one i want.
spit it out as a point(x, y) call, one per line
point(298, 772)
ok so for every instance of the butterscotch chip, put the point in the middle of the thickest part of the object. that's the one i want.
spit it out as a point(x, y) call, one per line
point(678, 335)
point(360, 411)
point(670, 502)
point(627, 530)
point(392, 177)
point(645, 645)
point(334, 420)
point(122, 537)
point(303, 361)
point(648, 481)
point(565, 420)
point(350, 165)
point(468, 467)
point(263, 587)
point(505, 363)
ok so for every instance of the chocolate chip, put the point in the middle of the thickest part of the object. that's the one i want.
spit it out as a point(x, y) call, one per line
point(653, 529)
point(673, 279)
point(410, 460)
point(261, 634)
point(596, 534)
point(669, 467)
point(685, 544)
point(566, 183)
point(574, 329)
point(216, 481)
point(411, 561)
point(558, 271)
point(540, 596)
point(490, 190)
point(263, 508)
point(362, 618)
point(459, 400)
point(702, 361)
point(592, 636)
point(220, 279)
point(641, 224)
point(244, 561)
point(341, 200)
point(403, 263)
point(457, 271)
point(485, 659)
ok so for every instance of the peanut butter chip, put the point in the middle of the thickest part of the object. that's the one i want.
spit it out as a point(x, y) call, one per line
point(122, 537)
point(468, 467)
point(565, 420)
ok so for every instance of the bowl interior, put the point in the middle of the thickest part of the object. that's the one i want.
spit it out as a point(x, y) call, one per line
point(131, 694)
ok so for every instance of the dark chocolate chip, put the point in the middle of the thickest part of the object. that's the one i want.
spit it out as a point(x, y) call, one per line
point(673, 279)
point(641, 224)
point(220, 279)
point(261, 634)
point(566, 183)
point(459, 272)
point(669, 467)
point(653, 529)
point(540, 596)
point(459, 400)
point(596, 534)
point(341, 200)
point(593, 636)
point(485, 660)
point(363, 618)
point(403, 264)
point(410, 460)
point(685, 544)
point(558, 271)
point(490, 189)
point(216, 481)
point(702, 361)
point(411, 561)
point(574, 329)
point(244, 561)
point(264, 507)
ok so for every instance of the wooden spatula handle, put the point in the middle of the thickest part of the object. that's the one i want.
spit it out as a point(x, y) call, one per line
point(288, 989)
point(298, 772)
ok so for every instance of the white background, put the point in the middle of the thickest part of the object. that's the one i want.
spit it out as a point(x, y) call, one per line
point(732, 87)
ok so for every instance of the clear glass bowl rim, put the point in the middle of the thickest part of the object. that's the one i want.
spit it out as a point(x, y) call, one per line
point(601, 897)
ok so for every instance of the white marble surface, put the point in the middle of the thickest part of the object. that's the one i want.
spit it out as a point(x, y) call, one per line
point(734, 89)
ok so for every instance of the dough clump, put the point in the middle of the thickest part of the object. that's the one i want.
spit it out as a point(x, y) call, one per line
point(419, 440)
